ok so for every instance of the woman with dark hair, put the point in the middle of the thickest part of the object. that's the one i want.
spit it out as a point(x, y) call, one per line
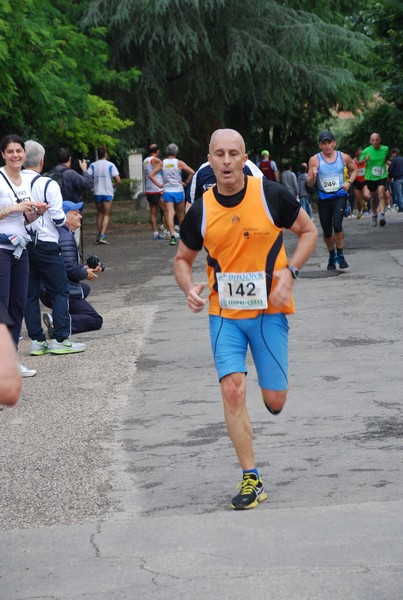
point(16, 210)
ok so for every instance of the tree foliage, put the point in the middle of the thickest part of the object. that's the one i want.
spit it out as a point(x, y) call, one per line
point(267, 69)
point(382, 23)
point(81, 72)
point(48, 69)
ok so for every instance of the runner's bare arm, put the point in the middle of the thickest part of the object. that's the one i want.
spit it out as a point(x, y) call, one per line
point(307, 234)
point(183, 265)
point(351, 166)
point(312, 171)
point(156, 170)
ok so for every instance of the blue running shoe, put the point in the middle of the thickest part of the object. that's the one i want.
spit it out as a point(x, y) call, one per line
point(331, 264)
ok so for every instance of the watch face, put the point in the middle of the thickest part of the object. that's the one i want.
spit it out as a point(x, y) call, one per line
point(294, 271)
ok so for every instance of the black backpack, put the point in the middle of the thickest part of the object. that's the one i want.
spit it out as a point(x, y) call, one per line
point(57, 175)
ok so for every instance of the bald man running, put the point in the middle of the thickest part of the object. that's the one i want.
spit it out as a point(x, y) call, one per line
point(376, 176)
point(240, 223)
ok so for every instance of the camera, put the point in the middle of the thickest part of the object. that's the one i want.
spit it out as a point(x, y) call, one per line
point(93, 261)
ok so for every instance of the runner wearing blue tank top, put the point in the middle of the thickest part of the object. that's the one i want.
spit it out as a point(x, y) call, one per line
point(327, 168)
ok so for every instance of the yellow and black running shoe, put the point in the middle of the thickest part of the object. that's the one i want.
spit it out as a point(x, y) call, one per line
point(250, 494)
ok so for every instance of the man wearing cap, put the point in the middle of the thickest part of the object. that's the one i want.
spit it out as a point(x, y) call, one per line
point(268, 167)
point(84, 317)
point(327, 169)
point(45, 261)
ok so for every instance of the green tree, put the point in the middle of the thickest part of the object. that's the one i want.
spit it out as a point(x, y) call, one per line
point(48, 69)
point(267, 69)
point(382, 23)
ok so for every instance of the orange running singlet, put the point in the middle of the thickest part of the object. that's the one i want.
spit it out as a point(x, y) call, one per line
point(242, 239)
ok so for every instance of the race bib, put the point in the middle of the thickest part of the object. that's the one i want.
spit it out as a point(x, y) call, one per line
point(361, 172)
point(242, 291)
point(378, 171)
point(330, 184)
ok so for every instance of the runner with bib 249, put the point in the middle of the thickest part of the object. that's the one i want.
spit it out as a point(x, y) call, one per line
point(326, 168)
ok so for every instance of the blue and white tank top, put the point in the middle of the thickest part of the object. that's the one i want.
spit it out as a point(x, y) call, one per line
point(331, 178)
point(172, 175)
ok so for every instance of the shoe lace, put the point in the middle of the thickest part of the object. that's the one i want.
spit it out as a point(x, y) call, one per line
point(247, 485)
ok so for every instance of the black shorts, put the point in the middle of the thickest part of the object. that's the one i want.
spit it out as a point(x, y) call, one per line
point(359, 185)
point(373, 185)
point(154, 199)
point(331, 213)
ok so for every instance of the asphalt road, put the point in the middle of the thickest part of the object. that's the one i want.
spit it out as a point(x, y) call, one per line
point(117, 470)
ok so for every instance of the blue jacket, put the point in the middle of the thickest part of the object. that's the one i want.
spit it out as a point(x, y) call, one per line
point(74, 183)
point(75, 270)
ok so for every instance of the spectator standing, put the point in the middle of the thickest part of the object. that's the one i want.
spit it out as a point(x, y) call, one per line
point(84, 317)
point(303, 192)
point(105, 176)
point(173, 187)
point(376, 176)
point(240, 223)
point(327, 166)
point(16, 210)
point(45, 261)
point(268, 167)
point(72, 184)
point(396, 174)
point(154, 192)
point(289, 180)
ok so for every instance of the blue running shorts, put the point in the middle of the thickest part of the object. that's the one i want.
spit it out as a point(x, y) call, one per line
point(103, 198)
point(267, 336)
point(175, 197)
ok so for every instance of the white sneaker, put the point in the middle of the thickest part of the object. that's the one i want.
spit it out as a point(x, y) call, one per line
point(25, 372)
point(38, 348)
point(65, 347)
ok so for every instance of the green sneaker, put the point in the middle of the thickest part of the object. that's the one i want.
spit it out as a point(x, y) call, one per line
point(250, 494)
point(39, 348)
point(172, 241)
point(65, 347)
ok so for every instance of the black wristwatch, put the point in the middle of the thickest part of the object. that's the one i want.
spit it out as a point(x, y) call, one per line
point(294, 271)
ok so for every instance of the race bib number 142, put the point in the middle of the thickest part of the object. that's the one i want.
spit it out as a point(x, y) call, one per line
point(242, 291)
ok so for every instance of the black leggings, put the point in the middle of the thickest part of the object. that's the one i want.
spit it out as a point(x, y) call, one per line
point(331, 213)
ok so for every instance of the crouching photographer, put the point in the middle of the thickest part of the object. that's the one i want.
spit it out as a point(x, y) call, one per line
point(84, 317)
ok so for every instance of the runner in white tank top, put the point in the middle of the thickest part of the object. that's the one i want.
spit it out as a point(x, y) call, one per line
point(173, 186)
point(153, 191)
